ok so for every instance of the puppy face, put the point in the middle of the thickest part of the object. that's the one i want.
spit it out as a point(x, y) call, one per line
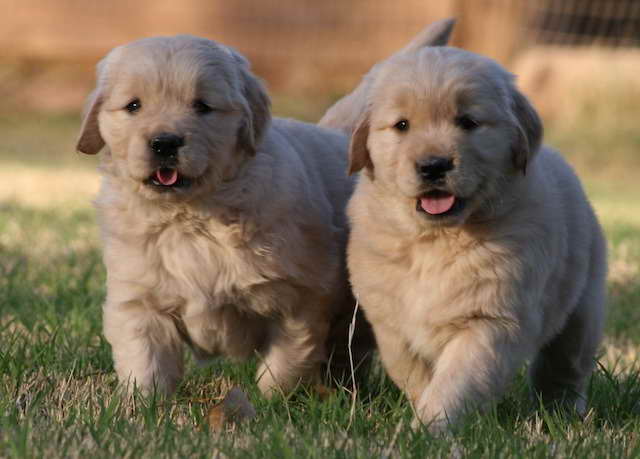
point(445, 133)
point(179, 116)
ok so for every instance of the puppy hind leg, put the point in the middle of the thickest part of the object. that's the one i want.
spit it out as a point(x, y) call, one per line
point(407, 370)
point(295, 351)
point(560, 372)
point(147, 348)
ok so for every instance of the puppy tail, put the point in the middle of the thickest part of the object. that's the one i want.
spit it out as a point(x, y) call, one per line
point(436, 34)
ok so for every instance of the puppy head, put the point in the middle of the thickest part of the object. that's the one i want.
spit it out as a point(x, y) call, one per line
point(446, 132)
point(179, 116)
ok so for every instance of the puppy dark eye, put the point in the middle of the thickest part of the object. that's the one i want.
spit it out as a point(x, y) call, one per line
point(402, 125)
point(133, 106)
point(201, 108)
point(466, 123)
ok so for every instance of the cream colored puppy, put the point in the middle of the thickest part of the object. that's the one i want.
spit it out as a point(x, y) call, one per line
point(221, 228)
point(472, 249)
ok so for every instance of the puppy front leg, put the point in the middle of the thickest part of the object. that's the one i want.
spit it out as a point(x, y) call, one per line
point(147, 349)
point(473, 370)
point(295, 350)
point(408, 371)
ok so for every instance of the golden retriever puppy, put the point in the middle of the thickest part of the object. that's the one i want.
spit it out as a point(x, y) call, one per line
point(221, 228)
point(472, 248)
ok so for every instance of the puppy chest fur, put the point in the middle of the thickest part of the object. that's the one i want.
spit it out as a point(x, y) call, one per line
point(434, 288)
point(213, 279)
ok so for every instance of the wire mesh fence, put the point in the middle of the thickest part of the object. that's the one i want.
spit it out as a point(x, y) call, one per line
point(609, 23)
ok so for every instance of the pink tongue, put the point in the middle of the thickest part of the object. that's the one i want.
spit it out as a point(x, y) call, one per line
point(438, 205)
point(167, 176)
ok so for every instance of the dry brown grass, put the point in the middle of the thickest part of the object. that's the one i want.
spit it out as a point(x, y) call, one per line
point(42, 187)
point(590, 101)
point(569, 85)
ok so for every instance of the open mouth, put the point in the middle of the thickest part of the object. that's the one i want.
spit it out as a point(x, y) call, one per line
point(439, 203)
point(167, 178)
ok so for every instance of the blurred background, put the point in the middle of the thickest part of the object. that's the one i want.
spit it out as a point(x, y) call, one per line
point(305, 48)
point(578, 60)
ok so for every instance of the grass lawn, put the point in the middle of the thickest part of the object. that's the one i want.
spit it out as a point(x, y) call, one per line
point(58, 391)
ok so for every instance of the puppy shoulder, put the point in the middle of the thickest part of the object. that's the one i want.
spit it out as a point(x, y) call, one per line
point(323, 155)
point(304, 135)
point(559, 178)
point(576, 208)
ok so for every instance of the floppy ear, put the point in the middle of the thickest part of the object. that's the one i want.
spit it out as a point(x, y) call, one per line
point(436, 34)
point(358, 151)
point(90, 140)
point(529, 131)
point(257, 112)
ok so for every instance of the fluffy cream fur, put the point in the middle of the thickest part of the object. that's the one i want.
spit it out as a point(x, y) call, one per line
point(246, 256)
point(514, 271)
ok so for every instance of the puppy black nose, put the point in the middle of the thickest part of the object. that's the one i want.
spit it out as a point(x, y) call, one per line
point(434, 168)
point(166, 144)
